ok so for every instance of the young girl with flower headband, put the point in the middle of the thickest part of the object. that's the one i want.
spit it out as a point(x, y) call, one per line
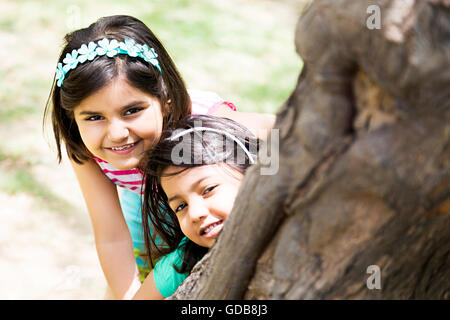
point(188, 197)
point(116, 89)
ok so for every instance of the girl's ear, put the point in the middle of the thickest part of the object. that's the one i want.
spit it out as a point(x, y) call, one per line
point(167, 107)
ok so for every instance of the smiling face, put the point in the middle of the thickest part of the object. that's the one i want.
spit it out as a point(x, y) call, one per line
point(202, 198)
point(119, 122)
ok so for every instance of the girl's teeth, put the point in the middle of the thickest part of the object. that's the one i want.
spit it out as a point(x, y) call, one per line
point(124, 147)
point(210, 227)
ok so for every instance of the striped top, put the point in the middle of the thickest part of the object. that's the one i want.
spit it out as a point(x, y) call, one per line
point(203, 102)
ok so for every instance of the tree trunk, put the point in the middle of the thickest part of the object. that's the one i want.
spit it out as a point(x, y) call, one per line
point(359, 207)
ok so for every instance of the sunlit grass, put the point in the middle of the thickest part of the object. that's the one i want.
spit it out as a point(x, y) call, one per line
point(231, 52)
point(16, 177)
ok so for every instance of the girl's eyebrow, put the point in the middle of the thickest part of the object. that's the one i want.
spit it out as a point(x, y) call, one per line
point(132, 104)
point(175, 197)
point(89, 113)
point(193, 187)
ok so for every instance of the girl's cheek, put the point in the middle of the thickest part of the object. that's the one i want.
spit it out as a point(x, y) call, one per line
point(182, 223)
point(91, 136)
point(227, 202)
point(86, 135)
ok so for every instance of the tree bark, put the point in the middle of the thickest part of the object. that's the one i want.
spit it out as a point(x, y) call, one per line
point(364, 167)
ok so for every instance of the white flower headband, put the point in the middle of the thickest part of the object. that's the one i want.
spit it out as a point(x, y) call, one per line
point(239, 143)
point(108, 48)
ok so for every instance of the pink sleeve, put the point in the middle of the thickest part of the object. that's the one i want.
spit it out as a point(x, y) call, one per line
point(215, 106)
point(206, 102)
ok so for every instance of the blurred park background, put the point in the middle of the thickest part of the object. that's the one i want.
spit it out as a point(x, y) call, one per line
point(242, 49)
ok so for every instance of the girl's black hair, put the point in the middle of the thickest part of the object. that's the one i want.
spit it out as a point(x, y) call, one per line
point(202, 148)
point(89, 77)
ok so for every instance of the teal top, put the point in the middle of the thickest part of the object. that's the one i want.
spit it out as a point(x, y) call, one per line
point(166, 278)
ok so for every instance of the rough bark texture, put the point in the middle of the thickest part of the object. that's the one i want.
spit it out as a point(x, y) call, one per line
point(364, 171)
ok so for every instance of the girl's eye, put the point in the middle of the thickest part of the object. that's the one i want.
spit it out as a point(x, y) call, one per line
point(209, 189)
point(94, 118)
point(132, 111)
point(180, 207)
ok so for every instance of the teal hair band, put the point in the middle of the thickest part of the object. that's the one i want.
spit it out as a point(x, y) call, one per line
point(103, 47)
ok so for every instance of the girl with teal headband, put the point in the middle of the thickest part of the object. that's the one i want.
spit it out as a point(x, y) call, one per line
point(115, 90)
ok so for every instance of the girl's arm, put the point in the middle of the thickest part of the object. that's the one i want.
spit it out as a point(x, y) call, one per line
point(164, 280)
point(112, 238)
point(259, 124)
point(148, 290)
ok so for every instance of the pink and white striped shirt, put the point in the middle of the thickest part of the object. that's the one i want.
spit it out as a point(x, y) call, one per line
point(203, 102)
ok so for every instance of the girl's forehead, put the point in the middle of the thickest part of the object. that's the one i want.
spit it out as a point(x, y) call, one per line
point(117, 93)
point(176, 176)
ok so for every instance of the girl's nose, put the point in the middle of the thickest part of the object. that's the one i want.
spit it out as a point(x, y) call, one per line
point(198, 211)
point(117, 131)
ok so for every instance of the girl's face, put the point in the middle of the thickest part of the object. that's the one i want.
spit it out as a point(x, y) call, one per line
point(119, 122)
point(202, 198)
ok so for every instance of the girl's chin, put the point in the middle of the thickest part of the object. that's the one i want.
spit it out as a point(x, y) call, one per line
point(128, 164)
point(209, 244)
point(203, 243)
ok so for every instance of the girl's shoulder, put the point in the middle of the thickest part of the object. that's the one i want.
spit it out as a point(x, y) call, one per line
point(166, 278)
point(206, 102)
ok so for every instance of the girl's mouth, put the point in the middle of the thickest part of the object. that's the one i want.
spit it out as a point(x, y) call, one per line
point(212, 230)
point(124, 149)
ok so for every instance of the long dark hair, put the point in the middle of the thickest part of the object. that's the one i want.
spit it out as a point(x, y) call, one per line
point(89, 77)
point(204, 148)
